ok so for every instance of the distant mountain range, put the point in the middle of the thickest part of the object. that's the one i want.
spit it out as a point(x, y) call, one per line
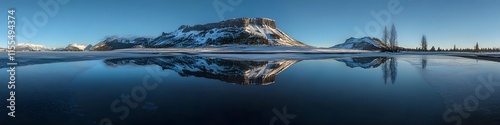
point(37, 47)
point(239, 31)
point(32, 47)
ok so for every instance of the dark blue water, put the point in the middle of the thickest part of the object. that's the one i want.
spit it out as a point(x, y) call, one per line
point(191, 90)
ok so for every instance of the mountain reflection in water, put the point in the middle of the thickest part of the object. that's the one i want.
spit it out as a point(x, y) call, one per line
point(245, 71)
point(232, 71)
point(389, 65)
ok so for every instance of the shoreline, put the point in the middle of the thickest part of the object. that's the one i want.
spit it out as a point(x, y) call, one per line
point(44, 57)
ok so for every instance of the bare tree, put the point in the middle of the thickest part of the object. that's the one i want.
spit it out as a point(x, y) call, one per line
point(393, 38)
point(385, 37)
point(424, 43)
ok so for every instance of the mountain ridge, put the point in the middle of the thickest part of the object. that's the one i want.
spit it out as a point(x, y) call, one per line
point(32, 47)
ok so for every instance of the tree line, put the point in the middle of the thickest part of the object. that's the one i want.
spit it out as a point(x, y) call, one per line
point(424, 47)
point(389, 39)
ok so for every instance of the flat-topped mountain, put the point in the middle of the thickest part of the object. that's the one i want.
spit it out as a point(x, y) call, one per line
point(239, 31)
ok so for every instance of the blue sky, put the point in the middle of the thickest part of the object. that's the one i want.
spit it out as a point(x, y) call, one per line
point(315, 22)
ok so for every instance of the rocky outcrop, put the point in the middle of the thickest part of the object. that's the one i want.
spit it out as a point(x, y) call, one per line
point(238, 22)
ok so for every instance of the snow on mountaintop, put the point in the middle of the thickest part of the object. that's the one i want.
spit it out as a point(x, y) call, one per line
point(365, 43)
point(32, 47)
point(78, 47)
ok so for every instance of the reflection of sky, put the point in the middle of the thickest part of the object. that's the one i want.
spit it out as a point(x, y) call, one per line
point(318, 22)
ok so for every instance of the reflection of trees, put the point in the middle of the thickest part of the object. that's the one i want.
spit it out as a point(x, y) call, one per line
point(389, 69)
point(388, 65)
point(385, 71)
point(424, 63)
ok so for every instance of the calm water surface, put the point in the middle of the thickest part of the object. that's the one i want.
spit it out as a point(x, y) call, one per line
point(192, 90)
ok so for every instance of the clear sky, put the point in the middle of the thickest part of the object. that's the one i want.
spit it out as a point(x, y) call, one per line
point(315, 22)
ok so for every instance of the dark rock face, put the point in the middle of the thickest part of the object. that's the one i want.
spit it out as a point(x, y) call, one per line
point(366, 46)
point(239, 22)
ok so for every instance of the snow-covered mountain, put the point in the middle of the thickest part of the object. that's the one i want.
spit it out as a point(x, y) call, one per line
point(78, 47)
point(242, 31)
point(32, 47)
point(232, 71)
point(365, 43)
point(114, 42)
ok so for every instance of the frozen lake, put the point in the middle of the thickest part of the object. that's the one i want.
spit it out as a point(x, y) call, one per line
point(253, 89)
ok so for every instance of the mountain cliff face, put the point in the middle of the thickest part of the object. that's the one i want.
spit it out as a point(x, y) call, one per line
point(365, 43)
point(231, 71)
point(242, 31)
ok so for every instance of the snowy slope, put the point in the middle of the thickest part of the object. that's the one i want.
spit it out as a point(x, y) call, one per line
point(115, 42)
point(365, 43)
point(78, 47)
point(242, 31)
point(32, 47)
